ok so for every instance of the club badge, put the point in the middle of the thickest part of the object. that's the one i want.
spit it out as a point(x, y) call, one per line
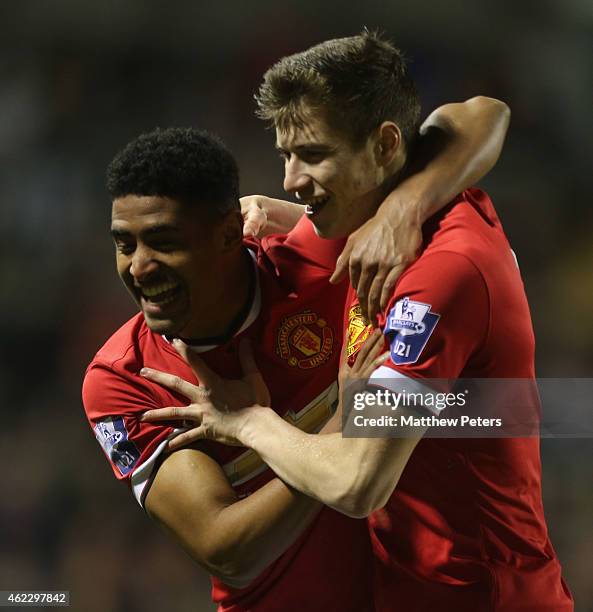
point(305, 340)
point(358, 331)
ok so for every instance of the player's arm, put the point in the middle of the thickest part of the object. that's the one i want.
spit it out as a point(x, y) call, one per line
point(263, 215)
point(234, 539)
point(341, 473)
point(357, 475)
point(459, 144)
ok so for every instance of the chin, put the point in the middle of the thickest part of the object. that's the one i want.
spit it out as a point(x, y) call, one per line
point(163, 327)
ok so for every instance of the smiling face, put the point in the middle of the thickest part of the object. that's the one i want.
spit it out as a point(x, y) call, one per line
point(341, 185)
point(166, 256)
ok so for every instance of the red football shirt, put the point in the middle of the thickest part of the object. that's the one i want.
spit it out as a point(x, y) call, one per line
point(295, 325)
point(464, 529)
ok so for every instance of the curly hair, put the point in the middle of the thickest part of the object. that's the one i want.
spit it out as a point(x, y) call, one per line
point(357, 82)
point(185, 164)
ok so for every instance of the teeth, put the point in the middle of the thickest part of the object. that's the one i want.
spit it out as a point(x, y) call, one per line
point(317, 201)
point(312, 205)
point(156, 290)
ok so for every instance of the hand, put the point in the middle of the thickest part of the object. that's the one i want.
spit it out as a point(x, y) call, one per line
point(378, 252)
point(368, 359)
point(218, 407)
point(254, 214)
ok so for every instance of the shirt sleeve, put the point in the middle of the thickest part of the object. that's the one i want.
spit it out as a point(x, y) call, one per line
point(437, 319)
point(303, 241)
point(114, 403)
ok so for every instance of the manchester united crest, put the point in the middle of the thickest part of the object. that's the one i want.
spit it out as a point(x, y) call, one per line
point(358, 331)
point(305, 340)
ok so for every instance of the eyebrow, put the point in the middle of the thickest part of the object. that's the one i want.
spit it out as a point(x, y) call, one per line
point(316, 146)
point(155, 229)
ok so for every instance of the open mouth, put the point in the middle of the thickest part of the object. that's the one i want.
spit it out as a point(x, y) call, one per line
point(314, 206)
point(161, 294)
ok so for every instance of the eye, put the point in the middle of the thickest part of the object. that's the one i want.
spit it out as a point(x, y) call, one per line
point(125, 248)
point(313, 156)
point(166, 247)
point(284, 155)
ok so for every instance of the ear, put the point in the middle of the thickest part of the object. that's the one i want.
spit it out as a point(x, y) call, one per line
point(389, 143)
point(231, 231)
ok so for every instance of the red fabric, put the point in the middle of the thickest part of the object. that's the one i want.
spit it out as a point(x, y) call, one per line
point(464, 529)
point(330, 566)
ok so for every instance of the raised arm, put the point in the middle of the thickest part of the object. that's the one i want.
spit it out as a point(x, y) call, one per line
point(458, 145)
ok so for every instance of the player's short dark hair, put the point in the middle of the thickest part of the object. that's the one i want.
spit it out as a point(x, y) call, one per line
point(185, 164)
point(357, 82)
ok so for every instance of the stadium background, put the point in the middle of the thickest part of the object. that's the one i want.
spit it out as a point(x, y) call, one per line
point(79, 79)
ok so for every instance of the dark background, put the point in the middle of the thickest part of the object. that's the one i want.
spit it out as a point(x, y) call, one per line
point(80, 79)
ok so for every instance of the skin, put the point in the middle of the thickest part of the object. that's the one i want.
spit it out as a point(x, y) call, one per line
point(160, 242)
point(377, 252)
point(354, 476)
point(190, 496)
point(320, 163)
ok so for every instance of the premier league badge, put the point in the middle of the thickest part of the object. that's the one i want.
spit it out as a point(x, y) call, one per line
point(112, 435)
point(409, 326)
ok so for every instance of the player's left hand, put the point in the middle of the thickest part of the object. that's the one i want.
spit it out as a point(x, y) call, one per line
point(378, 252)
point(218, 407)
point(355, 377)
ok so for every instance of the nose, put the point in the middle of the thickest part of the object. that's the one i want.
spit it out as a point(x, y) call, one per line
point(295, 177)
point(143, 263)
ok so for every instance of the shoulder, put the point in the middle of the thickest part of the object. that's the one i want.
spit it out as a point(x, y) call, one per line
point(111, 382)
point(123, 345)
point(302, 245)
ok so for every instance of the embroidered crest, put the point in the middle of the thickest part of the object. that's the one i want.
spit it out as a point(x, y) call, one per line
point(358, 331)
point(305, 340)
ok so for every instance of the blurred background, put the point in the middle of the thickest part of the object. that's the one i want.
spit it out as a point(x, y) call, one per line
point(80, 79)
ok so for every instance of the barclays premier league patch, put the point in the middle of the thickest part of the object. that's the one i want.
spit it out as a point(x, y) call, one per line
point(112, 435)
point(409, 325)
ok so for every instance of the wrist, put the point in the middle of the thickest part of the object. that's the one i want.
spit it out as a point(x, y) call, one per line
point(420, 196)
point(255, 418)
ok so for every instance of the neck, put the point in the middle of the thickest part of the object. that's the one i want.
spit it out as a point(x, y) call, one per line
point(231, 305)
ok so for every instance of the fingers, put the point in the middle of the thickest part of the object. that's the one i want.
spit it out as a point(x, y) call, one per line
point(254, 222)
point(355, 270)
point(389, 285)
point(254, 216)
point(371, 348)
point(342, 265)
point(204, 374)
point(374, 299)
point(367, 275)
point(186, 438)
point(175, 383)
point(173, 413)
point(371, 356)
point(370, 366)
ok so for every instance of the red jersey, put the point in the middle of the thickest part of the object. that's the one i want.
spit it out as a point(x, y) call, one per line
point(295, 326)
point(464, 529)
